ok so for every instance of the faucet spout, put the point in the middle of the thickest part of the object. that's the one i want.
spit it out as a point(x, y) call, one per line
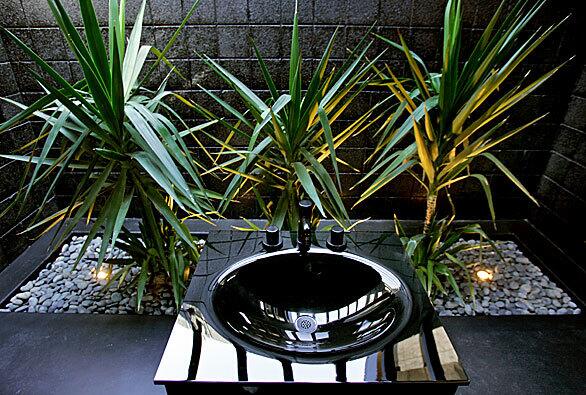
point(304, 228)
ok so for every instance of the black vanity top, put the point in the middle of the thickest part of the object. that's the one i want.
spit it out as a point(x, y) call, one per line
point(260, 323)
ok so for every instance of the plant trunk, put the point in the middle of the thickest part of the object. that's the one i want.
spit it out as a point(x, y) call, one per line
point(429, 212)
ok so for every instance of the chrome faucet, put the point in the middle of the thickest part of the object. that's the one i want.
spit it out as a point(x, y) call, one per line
point(304, 228)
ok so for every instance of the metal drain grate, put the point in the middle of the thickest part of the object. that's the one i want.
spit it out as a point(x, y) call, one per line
point(305, 324)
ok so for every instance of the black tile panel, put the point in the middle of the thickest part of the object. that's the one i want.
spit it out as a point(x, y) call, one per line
point(167, 12)
point(232, 11)
point(205, 13)
point(331, 12)
point(395, 12)
point(576, 114)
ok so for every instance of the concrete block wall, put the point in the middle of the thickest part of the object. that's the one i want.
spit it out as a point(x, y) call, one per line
point(16, 220)
point(221, 29)
point(562, 188)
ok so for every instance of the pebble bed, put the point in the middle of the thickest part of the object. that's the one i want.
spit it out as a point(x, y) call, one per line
point(59, 289)
point(517, 287)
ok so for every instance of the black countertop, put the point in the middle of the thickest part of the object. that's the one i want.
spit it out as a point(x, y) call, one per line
point(69, 354)
point(202, 351)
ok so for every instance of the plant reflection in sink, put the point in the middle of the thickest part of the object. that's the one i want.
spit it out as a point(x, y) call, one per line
point(310, 306)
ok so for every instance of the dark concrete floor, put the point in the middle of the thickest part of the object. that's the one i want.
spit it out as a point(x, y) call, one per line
point(100, 354)
point(521, 355)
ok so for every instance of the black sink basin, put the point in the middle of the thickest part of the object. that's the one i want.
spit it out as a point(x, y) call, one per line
point(314, 307)
point(268, 322)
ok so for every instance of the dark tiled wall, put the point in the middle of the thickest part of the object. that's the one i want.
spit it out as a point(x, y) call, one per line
point(562, 188)
point(12, 242)
point(221, 29)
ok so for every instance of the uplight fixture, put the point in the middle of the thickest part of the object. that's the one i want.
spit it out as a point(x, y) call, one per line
point(484, 275)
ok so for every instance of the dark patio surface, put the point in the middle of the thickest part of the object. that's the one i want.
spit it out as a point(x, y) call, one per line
point(521, 355)
point(101, 354)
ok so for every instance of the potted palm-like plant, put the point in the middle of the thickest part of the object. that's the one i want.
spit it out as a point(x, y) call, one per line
point(290, 134)
point(451, 119)
point(125, 139)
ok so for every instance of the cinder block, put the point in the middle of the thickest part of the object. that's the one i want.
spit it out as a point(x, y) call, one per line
point(363, 12)
point(49, 44)
point(233, 42)
point(8, 85)
point(265, 11)
point(428, 13)
point(269, 40)
point(576, 114)
point(203, 40)
point(166, 12)
point(231, 11)
point(395, 12)
point(331, 12)
point(306, 11)
point(12, 14)
point(205, 13)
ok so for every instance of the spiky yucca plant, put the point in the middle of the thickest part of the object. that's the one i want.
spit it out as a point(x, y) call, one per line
point(456, 116)
point(290, 134)
point(125, 139)
point(451, 118)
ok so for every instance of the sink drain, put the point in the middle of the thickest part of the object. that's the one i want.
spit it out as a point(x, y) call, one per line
point(305, 324)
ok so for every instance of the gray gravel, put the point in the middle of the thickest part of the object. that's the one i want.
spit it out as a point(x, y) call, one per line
point(518, 287)
point(60, 289)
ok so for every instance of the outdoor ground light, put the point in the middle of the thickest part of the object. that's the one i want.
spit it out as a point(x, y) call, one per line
point(101, 274)
point(484, 275)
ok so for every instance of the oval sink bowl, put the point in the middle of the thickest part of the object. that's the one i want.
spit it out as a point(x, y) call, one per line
point(323, 306)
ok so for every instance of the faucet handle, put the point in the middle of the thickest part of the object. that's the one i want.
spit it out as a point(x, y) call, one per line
point(305, 208)
point(273, 240)
point(336, 240)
